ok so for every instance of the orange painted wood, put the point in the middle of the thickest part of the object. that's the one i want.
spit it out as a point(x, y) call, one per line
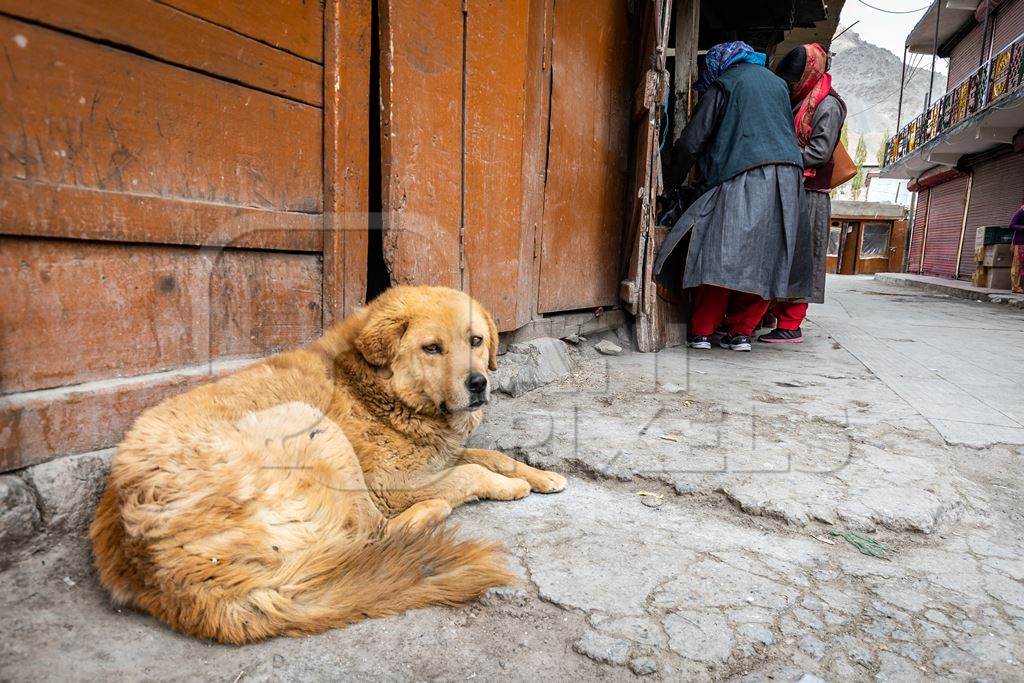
point(79, 311)
point(897, 246)
point(292, 25)
point(39, 426)
point(588, 168)
point(43, 210)
point(346, 156)
point(82, 114)
point(494, 127)
point(421, 131)
point(535, 145)
point(179, 38)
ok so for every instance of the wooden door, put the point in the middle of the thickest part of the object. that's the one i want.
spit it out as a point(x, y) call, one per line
point(659, 313)
point(897, 246)
point(849, 248)
point(458, 81)
point(172, 176)
point(588, 155)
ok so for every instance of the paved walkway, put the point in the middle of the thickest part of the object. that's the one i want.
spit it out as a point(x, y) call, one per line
point(956, 362)
point(958, 288)
point(694, 540)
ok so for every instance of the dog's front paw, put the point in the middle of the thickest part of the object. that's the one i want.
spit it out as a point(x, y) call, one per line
point(511, 489)
point(543, 481)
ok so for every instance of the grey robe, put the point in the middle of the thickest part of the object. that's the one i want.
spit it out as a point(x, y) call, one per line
point(749, 234)
point(826, 126)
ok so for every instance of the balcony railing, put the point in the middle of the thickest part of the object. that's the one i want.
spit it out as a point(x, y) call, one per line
point(996, 78)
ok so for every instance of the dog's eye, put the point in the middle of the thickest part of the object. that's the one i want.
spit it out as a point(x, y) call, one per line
point(476, 341)
point(432, 349)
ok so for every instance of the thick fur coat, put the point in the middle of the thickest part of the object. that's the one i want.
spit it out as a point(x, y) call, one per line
point(305, 492)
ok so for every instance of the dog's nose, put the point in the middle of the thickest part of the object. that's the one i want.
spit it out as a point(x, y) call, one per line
point(476, 383)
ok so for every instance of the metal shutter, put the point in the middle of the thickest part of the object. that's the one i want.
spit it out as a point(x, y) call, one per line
point(966, 57)
point(997, 192)
point(917, 233)
point(1009, 23)
point(945, 219)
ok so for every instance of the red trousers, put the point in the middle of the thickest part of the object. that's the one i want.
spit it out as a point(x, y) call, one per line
point(712, 305)
point(791, 315)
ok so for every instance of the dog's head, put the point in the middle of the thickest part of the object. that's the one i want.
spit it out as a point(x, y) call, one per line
point(435, 345)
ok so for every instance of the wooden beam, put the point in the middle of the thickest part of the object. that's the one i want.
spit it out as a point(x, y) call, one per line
point(346, 155)
point(35, 209)
point(37, 426)
point(564, 325)
point(687, 13)
point(537, 105)
point(169, 35)
point(963, 225)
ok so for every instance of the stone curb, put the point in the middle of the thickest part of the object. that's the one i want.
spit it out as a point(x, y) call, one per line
point(959, 292)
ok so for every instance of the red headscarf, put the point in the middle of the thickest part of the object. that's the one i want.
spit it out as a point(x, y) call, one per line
point(814, 85)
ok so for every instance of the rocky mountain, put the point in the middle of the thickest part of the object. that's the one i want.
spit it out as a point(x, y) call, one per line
point(868, 79)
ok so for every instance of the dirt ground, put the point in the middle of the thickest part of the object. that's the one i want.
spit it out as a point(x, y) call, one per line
point(695, 538)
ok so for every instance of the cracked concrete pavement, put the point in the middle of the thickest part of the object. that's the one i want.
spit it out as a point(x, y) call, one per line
point(723, 569)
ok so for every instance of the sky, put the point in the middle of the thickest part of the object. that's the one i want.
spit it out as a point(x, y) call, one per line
point(885, 29)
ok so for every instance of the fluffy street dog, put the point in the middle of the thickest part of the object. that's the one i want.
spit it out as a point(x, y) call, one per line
point(304, 493)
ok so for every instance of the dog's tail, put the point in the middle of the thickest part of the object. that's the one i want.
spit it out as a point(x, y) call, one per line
point(329, 587)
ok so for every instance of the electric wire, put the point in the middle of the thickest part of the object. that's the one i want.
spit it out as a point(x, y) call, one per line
point(891, 11)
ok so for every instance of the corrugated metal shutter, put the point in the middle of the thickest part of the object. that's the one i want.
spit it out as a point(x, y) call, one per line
point(916, 237)
point(945, 219)
point(997, 192)
point(1009, 24)
point(965, 58)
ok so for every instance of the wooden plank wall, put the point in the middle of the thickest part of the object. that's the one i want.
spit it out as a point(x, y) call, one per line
point(137, 141)
point(497, 179)
point(421, 140)
point(185, 182)
point(495, 116)
point(588, 151)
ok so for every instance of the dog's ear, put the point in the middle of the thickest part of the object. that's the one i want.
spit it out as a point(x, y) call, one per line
point(492, 342)
point(379, 339)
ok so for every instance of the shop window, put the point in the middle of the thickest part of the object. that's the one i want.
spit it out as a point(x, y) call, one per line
point(875, 241)
point(833, 240)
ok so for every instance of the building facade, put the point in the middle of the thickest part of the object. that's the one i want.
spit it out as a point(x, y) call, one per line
point(189, 185)
point(964, 155)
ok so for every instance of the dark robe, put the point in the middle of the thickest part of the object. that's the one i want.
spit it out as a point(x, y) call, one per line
point(748, 233)
point(826, 126)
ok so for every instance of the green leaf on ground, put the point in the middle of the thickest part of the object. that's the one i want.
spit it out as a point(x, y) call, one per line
point(865, 544)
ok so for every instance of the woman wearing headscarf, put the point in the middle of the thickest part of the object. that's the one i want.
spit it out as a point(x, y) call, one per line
point(749, 236)
point(818, 117)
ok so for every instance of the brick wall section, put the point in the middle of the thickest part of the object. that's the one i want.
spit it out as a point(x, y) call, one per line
point(1008, 24)
point(965, 57)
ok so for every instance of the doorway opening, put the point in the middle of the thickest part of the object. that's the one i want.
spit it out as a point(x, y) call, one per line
point(377, 276)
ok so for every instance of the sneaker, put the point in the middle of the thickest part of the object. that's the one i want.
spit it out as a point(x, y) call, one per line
point(698, 342)
point(780, 336)
point(736, 342)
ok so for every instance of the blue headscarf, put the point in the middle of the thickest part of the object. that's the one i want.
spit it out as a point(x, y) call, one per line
point(721, 57)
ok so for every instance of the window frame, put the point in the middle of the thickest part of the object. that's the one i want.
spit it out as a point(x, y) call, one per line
point(863, 233)
point(837, 228)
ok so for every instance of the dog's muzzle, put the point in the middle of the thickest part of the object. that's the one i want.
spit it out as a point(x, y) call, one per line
point(476, 383)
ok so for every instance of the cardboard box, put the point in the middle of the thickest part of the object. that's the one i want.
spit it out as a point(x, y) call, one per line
point(997, 278)
point(992, 234)
point(997, 256)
